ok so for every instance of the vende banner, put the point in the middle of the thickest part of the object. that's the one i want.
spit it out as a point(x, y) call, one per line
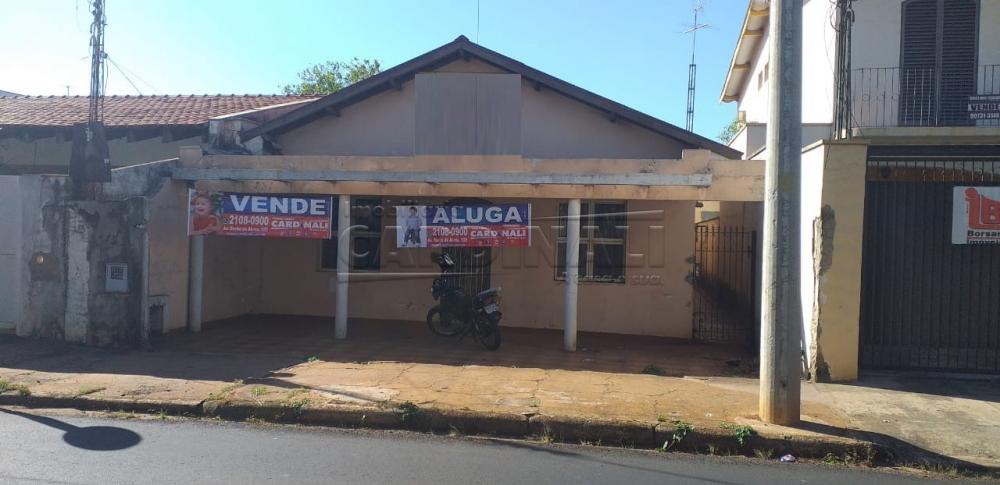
point(975, 215)
point(261, 215)
point(469, 226)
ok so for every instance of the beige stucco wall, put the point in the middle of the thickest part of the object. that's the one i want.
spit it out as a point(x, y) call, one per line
point(232, 277)
point(53, 154)
point(168, 252)
point(553, 126)
point(655, 299)
point(836, 264)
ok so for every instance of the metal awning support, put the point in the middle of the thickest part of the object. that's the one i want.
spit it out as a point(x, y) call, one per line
point(343, 265)
point(572, 273)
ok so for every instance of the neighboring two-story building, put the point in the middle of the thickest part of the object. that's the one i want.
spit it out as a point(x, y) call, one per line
point(901, 149)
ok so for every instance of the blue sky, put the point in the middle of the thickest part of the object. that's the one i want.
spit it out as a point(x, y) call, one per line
point(630, 51)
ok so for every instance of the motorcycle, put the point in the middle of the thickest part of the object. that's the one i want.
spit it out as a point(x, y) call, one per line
point(459, 314)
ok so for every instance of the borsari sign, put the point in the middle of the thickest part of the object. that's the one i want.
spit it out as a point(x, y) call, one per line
point(261, 215)
point(439, 226)
point(976, 215)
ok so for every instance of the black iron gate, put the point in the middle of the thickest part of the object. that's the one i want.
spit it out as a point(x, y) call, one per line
point(725, 282)
point(926, 303)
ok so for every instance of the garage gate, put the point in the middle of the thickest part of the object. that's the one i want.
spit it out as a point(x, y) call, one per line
point(927, 303)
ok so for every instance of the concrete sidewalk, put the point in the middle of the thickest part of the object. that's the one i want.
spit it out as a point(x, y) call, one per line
point(622, 407)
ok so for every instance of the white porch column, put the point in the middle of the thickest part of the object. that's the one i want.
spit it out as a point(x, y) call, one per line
point(343, 264)
point(196, 264)
point(572, 273)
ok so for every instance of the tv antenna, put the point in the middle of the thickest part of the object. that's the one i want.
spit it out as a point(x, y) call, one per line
point(693, 68)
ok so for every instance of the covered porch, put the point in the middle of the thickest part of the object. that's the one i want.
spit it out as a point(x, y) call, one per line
point(545, 294)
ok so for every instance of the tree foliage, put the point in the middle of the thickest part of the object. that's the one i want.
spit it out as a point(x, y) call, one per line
point(731, 130)
point(332, 76)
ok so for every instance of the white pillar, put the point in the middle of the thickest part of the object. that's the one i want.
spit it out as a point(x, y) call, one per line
point(343, 265)
point(196, 263)
point(572, 273)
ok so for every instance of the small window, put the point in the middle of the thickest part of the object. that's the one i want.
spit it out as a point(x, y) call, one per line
point(366, 237)
point(603, 234)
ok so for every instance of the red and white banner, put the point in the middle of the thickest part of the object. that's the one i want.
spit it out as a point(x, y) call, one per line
point(261, 215)
point(976, 215)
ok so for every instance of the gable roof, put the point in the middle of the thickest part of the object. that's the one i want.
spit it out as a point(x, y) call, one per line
point(463, 48)
point(132, 111)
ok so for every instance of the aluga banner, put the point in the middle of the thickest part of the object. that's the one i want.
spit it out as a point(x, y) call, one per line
point(975, 215)
point(261, 215)
point(463, 226)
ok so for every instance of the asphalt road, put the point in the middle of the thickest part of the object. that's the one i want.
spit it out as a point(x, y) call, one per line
point(73, 448)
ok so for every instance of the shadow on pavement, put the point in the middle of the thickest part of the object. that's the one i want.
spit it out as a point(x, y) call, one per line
point(94, 438)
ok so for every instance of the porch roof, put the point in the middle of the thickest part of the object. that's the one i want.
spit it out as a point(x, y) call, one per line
point(698, 175)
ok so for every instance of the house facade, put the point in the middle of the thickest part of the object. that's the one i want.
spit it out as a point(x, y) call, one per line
point(460, 127)
point(901, 115)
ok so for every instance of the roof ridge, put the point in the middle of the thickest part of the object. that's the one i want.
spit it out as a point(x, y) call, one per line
point(132, 96)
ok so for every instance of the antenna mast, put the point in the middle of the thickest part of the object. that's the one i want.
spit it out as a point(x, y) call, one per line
point(693, 68)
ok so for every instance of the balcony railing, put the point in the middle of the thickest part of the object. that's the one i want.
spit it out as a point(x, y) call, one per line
point(906, 96)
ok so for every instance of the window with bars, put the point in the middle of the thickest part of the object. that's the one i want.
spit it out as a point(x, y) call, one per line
point(603, 234)
point(366, 237)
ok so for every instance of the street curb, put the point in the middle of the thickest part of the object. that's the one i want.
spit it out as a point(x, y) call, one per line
point(86, 403)
point(771, 442)
point(555, 428)
point(596, 431)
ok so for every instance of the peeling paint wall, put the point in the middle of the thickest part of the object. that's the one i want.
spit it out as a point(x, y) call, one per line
point(67, 246)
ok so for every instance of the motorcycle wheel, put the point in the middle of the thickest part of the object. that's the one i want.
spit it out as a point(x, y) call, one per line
point(442, 323)
point(492, 340)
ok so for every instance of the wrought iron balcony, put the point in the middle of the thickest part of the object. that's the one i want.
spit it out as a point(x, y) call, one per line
point(884, 97)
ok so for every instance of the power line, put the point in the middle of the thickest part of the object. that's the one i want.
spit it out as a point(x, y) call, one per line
point(115, 64)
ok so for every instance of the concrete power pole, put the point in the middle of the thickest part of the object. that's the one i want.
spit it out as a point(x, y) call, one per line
point(781, 326)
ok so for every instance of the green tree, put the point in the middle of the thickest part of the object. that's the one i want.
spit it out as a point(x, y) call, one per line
point(731, 130)
point(332, 76)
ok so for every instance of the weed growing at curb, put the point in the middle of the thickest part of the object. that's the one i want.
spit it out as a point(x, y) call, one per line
point(742, 432)
point(681, 430)
point(653, 370)
point(311, 358)
point(20, 388)
point(83, 391)
point(763, 454)
point(409, 412)
point(297, 406)
point(258, 391)
point(225, 391)
point(661, 418)
point(547, 435)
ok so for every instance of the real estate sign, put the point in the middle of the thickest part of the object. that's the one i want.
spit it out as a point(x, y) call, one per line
point(439, 226)
point(984, 107)
point(261, 215)
point(975, 215)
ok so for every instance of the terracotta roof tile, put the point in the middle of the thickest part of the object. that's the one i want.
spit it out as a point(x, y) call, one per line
point(132, 110)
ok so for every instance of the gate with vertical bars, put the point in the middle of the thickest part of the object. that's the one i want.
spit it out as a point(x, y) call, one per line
point(926, 303)
point(725, 280)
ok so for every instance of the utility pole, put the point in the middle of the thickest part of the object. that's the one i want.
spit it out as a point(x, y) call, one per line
point(781, 325)
point(693, 68)
point(89, 160)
